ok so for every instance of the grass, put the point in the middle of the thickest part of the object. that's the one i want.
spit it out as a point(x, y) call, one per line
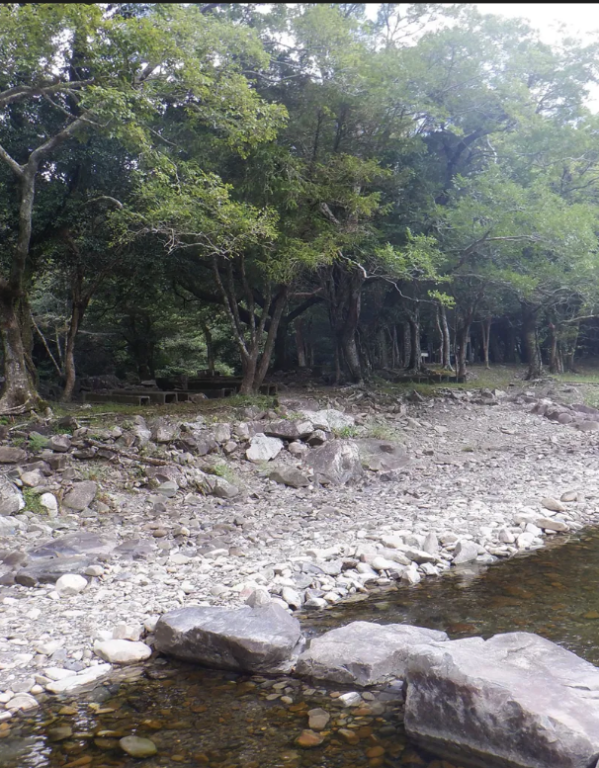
point(37, 442)
point(347, 432)
point(32, 502)
point(224, 470)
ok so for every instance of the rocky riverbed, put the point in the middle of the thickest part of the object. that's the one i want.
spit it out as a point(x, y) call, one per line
point(315, 500)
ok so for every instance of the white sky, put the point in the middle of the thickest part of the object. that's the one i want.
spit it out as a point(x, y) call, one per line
point(578, 20)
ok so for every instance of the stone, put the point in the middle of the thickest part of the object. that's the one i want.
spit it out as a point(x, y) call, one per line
point(49, 570)
point(219, 487)
point(80, 543)
point(168, 489)
point(318, 437)
point(308, 739)
point(163, 432)
point(329, 419)
point(222, 433)
point(381, 455)
point(252, 639)
point(549, 524)
point(318, 719)
point(138, 746)
point(336, 463)
point(33, 478)
point(587, 426)
point(363, 653)
point(552, 504)
point(81, 495)
point(431, 543)
point(515, 699)
point(10, 455)
point(88, 675)
point(292, 597)
point(122, 651)
point(59, 443)
point(297, 448)
point(11, 499)
point(49, 503)
point(465, 551)
point(263, 448)
point(287, 429)
point(21, 702)
point(290, 476)
point(70, 584)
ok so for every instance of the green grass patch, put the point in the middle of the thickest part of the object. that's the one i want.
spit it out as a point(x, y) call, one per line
point(33, 502)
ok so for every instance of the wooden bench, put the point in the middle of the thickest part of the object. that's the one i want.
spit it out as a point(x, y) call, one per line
point(156, 396)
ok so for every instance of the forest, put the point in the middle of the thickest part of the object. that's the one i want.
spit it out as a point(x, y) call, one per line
point(252, 188)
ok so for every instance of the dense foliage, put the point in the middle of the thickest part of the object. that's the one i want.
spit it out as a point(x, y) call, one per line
point(243, 186)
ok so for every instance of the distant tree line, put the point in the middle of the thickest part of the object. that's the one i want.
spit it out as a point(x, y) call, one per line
point(259, 186)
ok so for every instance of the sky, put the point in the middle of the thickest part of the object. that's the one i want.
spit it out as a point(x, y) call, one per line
point(580, 19)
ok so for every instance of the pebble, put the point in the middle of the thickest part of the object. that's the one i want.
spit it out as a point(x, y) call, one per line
point(70, 584)
point(136, 746)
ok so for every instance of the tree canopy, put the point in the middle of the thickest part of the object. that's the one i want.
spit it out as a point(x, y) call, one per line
point(289, 185)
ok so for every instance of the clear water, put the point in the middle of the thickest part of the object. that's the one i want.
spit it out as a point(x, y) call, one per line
point(205, 718)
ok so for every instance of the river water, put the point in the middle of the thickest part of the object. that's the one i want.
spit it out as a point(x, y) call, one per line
point(200, 717)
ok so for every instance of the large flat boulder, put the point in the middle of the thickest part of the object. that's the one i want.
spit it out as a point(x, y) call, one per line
point(514, 701)
point(289, 429)
point(264, 638)
point(336, 463)
point(79, 543)
point(11, 498)
point(363, 653)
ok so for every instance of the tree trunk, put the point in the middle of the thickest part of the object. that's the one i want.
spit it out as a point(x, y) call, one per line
point(570, 349)
point(446, 361)
point(462, 335)
point(69, 356)
point(415, 363)
point(210, 356)
point(281, 358)
point(394, 348)
point(248, 368)
point(275, 320)
point(299, 344)
point(19, 395)
point(406, 345)
point(554, 355)
point(486, 330)
point(531, 344)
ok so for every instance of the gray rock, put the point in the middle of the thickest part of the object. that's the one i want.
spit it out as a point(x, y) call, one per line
point(381, 455)
point(329, 419)
point(587, 426)
point(263, 448)
point(81, 495)
point(138, 746)
point(553, 505)
point(286, 429)
point(80, 543)
point(10, 455)
point(297, 449)
point(549, 524)
point(318, 437)
point(135, 549)
point(77, 680)
point(120, 651)
point(514, 700)
point(260, 639)
point(59, 443)
point(168, 489)
point(336, 463)
point(290, 476)
point(70, 584)
point(11, 499)
point(164, 432)
point(48, 570)
point(363, 653)
point(465, 551)
point(219, 487)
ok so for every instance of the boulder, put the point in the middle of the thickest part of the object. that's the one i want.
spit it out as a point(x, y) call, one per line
point(122, 651)
point(336, 463)
point(76, 680)
point(59, 443)
point(290, 476)
point(10, 455)
point(363, 653)
point(329, 419)
point(70, 584)
point(263, 448)
point(48, 570)
point(286, 429)
point(80, 543)
point(81, 495)
point(465, 552)
point(11, 499)
point(263, 638)
point(381, 455)
point(219, 487)
point(164, 432)
point(515, 700)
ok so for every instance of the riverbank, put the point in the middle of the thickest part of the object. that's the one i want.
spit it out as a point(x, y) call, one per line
point(478, 476)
